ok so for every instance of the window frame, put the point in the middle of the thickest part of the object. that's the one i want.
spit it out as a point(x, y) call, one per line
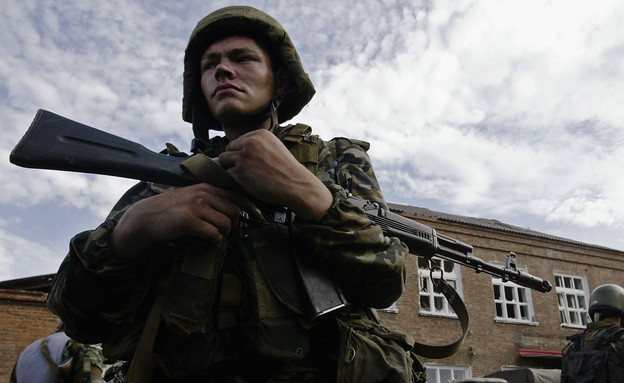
point(452, 278)
point(583, 314)
point(433, 372)
point(515, 301)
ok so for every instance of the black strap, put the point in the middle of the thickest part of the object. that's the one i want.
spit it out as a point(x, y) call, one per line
point(144, 362)
point(439, 352)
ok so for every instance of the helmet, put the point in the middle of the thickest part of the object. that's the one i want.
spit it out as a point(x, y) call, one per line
point(250, 22)
point(607, 298)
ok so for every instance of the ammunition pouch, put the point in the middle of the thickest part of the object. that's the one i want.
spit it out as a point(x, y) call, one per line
point(276, 294)
point(371, 353)
point(186, 338)
point(193, 291)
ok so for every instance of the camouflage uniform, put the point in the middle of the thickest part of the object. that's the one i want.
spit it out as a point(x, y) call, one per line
point(88, 362)
point(104, 299)
point(235, 311)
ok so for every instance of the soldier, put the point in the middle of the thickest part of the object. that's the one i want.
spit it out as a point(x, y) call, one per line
point(597, 354)
point(58, 359)
point(200, 283)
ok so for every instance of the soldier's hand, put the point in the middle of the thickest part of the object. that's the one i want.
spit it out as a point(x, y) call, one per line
point(201, 210)
point(264, 167)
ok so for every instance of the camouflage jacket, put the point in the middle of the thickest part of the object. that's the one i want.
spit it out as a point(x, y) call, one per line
point(102, 299)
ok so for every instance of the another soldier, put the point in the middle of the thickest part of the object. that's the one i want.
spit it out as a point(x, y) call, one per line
point(597, 354)
point(201, 283)
point(58, 359)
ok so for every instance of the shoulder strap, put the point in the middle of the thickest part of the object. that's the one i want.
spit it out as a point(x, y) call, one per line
point(292, 133)
point(46, 354)
point(297, 132)
point(144, 362)
point(575, 341)
point(616, 333)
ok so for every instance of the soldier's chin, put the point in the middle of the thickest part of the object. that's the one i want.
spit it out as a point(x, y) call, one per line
point(229, 115)
point(236, 118)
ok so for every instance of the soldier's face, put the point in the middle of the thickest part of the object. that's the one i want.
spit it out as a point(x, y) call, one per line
point(236, 78)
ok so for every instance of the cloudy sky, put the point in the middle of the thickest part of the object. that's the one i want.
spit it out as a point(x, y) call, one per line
point(508, 110)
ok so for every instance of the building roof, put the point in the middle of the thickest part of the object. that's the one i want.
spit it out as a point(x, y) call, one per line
point(40, 283)
point(488, 224)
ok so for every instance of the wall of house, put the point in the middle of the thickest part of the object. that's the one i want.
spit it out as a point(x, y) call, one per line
point(491, 344)
point(24, 318)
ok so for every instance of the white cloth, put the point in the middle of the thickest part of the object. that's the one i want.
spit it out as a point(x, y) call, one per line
point(32, 366)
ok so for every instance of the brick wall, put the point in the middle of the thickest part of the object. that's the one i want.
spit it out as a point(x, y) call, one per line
point(24, 318)
point(489, 344)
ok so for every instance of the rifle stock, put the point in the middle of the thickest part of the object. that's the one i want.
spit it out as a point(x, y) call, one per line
point(57, 143)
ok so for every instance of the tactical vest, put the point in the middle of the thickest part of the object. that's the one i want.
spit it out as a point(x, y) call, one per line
point(593, 357)
point(211, 301)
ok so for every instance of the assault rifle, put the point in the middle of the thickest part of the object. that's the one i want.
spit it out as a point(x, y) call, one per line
point(55, 142)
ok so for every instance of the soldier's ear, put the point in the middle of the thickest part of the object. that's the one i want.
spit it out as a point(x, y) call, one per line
point(283, 82)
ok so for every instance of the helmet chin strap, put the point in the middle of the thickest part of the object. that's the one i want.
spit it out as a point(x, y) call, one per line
point(269, 110)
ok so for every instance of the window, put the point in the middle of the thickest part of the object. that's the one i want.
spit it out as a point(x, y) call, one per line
point(439, 373)
point(572, 299)
point(392, 309)
point(513, 302)
point(431, 302)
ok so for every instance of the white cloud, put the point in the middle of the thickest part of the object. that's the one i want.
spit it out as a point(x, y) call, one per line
point(485, 108)
point(19, 257)
point(495, 105)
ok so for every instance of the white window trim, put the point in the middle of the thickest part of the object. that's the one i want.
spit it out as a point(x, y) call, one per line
point(531, 312)
point(391, 309)
point(455, 277)
point(433, 369)
point(583, 279)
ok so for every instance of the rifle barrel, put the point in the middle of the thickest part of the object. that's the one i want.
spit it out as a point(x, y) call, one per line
point(425, 241)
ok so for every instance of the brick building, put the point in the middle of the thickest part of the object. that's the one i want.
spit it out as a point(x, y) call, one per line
point(24, 318)
point(510, 326)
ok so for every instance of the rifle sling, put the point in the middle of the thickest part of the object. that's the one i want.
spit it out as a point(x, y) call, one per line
point(205, 169)
point(143, 361)
point(439, 352)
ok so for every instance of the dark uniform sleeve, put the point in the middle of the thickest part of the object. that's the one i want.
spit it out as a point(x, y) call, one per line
point(369, 265)
point(94, 291)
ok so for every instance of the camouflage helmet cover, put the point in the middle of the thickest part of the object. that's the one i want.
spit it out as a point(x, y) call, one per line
point(607, 298)
point(251, 22)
